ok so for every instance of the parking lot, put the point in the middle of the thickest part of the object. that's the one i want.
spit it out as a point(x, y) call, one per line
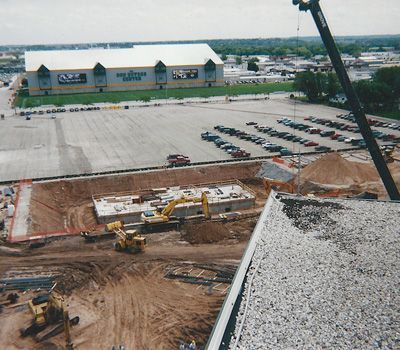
point(104, 140)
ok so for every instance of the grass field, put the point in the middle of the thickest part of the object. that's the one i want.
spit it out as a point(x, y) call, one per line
point(391, 115)
point(147, 95)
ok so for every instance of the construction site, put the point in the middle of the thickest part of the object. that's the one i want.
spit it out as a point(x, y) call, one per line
point(130, 297)
point(118, 241)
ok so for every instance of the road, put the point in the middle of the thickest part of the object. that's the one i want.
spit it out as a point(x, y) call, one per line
point(104, 140)
point(5, 95)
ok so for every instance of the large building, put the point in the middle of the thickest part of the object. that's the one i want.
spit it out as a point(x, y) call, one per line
point(138, 68)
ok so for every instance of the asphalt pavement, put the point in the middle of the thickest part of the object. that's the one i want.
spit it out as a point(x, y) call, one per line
point(96, 141)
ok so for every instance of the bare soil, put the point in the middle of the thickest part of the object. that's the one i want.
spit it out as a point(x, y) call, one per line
point(333, 171)
point(123, 298)
point(58, 205)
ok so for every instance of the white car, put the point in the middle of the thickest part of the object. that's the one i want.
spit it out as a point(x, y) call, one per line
point(349, 139)
point(266, 144)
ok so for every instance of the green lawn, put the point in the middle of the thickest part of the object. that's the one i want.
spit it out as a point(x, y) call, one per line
point(146, 95)
point(391, 115)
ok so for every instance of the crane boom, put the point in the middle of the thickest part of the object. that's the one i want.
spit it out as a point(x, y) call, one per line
point(329, 42)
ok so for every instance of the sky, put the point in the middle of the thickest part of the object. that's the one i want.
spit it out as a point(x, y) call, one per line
point(80, 21)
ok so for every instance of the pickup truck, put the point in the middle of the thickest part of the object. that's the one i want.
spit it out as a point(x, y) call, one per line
point(240, 154)
point(177, 160)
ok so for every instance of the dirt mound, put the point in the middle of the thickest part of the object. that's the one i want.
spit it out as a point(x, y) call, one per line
point(208, 232)
point(332, 169)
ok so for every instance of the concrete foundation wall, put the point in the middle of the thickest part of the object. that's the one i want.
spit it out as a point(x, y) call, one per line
point(189, 210)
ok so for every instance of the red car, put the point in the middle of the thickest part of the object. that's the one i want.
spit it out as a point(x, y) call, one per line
point(178, 159)
point(311, 143)
point(335, 136)
point(240, 154)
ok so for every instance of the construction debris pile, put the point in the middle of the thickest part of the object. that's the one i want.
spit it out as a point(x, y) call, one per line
point(330, 282)
point(7, 208)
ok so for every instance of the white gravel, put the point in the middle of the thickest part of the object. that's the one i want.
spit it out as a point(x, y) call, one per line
point(328, 278)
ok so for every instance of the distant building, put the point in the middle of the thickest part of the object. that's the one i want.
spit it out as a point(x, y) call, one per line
point(138, 68)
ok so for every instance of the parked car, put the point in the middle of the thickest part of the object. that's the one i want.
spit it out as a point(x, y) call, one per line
point(177, 160)
point(227, 145)
point(251, 123)
point(232, 149)
point(311, 144)
point(326, 133)
point(281, 134)
point(313, 131)
point(335, 136)
point(260, 141)
point(341, 138)
point(285, 152)
point(322, 148)
point(240, 154)
point(289, 137)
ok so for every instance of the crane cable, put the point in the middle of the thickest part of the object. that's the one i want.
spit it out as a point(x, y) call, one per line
point(295, 104)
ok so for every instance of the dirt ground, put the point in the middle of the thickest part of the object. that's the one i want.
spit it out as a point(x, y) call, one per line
point(61, 204)
point(332, 171)
point(124, 298)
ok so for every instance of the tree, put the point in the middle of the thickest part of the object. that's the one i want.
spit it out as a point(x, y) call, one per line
point(391, 77)
point(303, 51)
point(224, 57)
point(308, 83)
point(252, 66)
point(333, 86)
point(239, 60)
point(374, 95)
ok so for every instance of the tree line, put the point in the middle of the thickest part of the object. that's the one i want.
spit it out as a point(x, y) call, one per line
point(380, 94)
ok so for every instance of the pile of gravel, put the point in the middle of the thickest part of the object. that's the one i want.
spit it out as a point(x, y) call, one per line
point(326, 276)
point(275, 172)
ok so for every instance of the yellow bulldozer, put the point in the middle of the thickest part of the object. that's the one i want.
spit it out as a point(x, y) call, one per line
point(129, 240)
point(155, 217)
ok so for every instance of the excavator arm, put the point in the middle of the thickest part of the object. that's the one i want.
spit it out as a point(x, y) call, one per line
point(280, 185)
point(169, 209)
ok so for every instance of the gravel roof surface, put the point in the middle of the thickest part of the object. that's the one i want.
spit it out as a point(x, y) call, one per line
point(326, 276)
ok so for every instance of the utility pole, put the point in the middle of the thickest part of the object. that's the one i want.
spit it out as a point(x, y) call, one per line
point(329, 42)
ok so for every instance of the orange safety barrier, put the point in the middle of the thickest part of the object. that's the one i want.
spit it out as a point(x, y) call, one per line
point(278, 160)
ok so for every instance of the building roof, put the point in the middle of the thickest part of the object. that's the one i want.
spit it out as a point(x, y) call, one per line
point(324, 274)
point(137, 56)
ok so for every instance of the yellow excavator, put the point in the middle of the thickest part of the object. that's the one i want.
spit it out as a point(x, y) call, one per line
point(281, 186)
point(129, 240)
point(49, 310)
point(155, 217)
